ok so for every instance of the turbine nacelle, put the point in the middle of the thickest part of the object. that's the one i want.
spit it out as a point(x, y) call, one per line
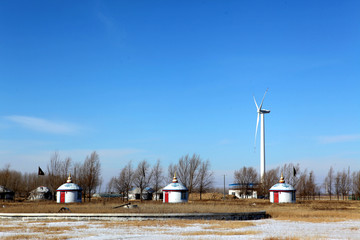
point(263, 111)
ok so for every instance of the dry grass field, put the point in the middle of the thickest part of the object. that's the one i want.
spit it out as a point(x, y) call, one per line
point(305, 210)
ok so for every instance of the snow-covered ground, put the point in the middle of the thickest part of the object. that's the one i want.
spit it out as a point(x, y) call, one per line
point(259, 229)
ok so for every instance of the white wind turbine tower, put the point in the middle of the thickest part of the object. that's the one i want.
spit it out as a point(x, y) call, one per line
point(261, 113)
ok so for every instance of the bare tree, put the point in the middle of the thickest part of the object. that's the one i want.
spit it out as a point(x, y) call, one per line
point(318, 191)
point(246, 177)
point(157, 178)
point(30, 181)
point(76, 174)
point(356, 184)
point(329, 182)
point(290, 173)
point(120, 184)
point(54, 169)
point(125, 180)
point(57, 171)
point(311, 186)
point(205, 177)
point(301, 187)
point(348, 182)
point(90, 174)
point(15, 183)
point(194, 165)
point(79, 176)
point(5, 176)
point(183, 169)
point(171, 170)
point(306, 186)
point(270, 178)
point(142, 176)
point(99, 185)
point(111, 186)
point(65, 168)
point(345, 183)
point(338, 185)
point(12, 180)
point(18, 182)
point(187, 171)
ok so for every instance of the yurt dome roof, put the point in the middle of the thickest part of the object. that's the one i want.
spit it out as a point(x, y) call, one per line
point(282, 186)
point(175, 186)
point(69, 186)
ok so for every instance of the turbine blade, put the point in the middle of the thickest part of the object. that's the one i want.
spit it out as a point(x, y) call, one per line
point(257, 124)
point(263, 98)
point(257, 107)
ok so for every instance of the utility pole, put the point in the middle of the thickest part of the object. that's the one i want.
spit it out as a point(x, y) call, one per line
point(224, 188)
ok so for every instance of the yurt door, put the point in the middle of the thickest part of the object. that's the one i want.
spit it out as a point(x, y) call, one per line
point(62, 197)
point(166, 196)
point(276, 197)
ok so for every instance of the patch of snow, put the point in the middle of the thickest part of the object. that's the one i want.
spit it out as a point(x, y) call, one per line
point(263, 229)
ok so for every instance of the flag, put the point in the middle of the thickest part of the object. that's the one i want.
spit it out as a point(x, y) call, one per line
point(40, 172)
point(294, 171)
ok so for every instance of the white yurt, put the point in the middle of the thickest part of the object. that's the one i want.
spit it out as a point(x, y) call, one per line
point(69, 192)
point(40, 193)
point(282, 192)
point(175, 192)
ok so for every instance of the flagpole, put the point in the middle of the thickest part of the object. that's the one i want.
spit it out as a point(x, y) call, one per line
point(224, 188)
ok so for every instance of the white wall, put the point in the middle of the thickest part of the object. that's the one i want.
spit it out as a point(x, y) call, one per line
point(70, 196)
point(240, 194)
point(175, 196)
point(284, 197)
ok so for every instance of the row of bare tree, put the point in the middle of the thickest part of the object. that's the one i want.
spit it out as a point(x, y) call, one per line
point(142, 177)
point(342, 183)
point(194, 173)
point(18, 182)
point(303, 181)
point(86, 174)
point(191, 171)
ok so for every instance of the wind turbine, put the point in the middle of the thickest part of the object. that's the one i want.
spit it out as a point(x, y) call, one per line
point(260, 115)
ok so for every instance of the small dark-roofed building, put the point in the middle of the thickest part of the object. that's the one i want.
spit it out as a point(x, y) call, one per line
point(147, 194)
point(158, 195)
point(40, 193)
point(6, 194)
point(107, 195)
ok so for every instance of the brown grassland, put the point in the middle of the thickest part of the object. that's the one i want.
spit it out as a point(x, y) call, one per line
point(302, 210)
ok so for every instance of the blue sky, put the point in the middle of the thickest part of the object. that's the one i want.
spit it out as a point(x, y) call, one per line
point(152, 80)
